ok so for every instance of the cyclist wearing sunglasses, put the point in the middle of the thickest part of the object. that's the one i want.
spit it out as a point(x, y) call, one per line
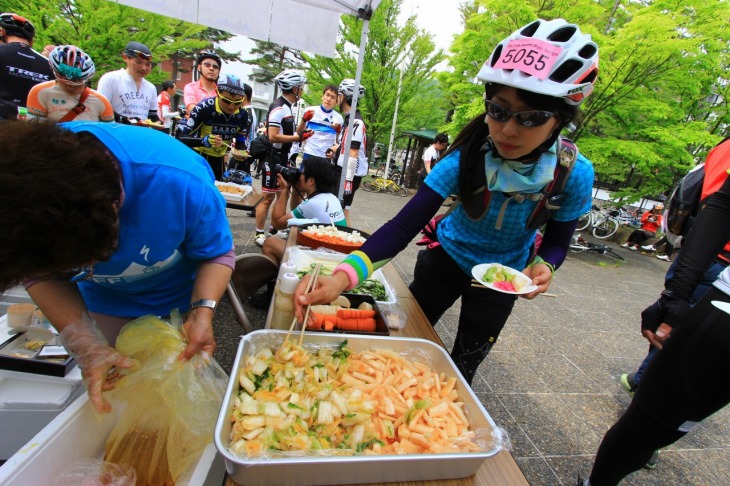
point(500, 165)
point(21, 67)
point(133, 98)
point(216, 122)
point(207, 68)
point(68, 98)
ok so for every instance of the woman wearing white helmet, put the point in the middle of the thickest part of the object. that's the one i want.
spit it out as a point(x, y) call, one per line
point(68, 97)
point(504, 165)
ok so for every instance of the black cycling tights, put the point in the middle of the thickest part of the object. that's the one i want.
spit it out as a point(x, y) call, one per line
point(632, 440)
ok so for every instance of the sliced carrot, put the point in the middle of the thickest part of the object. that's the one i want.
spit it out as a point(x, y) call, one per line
point(358, 313)
point(329, 325)
point(316, 321)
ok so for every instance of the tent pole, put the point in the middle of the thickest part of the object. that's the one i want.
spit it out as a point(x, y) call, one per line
point(353, 109)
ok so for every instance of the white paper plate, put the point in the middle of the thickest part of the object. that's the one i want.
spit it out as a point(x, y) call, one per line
point(479, 270)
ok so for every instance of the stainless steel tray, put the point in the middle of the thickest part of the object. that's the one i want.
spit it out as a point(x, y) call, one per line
point(353, 469)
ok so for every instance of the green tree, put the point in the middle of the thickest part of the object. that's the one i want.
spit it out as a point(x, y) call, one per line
point(390, 47)
point(271, 59)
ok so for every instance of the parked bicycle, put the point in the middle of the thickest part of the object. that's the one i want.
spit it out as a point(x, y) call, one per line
point(629, 218)
point(602, 223)
point(394, 171)
point(379, 184)
point(580, 244)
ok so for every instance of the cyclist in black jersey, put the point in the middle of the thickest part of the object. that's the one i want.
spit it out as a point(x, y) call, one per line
point(215, 122)
point(21, 67)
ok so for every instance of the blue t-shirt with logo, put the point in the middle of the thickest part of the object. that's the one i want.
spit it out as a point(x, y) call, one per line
point(171, 219)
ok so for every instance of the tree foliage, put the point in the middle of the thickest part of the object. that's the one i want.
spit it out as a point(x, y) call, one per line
point(103, 28)
point(271, 59)
point(390, 47)
point(660, 100)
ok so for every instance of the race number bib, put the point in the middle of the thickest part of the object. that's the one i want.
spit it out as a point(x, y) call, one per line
point(531, 56)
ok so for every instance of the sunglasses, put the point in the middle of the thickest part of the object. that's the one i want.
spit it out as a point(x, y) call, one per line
point(230, 102)
point(210, 65)
point(138, 54)
point(528, 118)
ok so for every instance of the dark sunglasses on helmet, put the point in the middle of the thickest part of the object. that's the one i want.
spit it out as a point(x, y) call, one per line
point(528, 118)
point(138, 54)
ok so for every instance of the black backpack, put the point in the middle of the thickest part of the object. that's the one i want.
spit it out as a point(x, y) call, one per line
point(684, 204)
point(260, 147)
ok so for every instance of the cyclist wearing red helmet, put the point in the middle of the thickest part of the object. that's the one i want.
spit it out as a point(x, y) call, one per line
point(21, 67)
point(68, 98)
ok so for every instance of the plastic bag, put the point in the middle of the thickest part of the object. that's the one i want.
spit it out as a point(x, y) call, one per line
point(94, 472)
point(172, 405)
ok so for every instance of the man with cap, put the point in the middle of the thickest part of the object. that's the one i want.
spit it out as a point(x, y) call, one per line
point(215, 122)
point(133, 98)
point(208, 67)
point(21, 67)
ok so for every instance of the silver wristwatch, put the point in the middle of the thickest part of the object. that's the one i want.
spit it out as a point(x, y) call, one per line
point(211, 304)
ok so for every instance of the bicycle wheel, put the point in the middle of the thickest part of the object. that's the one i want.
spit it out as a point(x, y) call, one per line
point(609, 252)
point(394, 176)
point(584, 221)
point(394, 188)
point(371, 185)
point(605, 229)
point(379, 173)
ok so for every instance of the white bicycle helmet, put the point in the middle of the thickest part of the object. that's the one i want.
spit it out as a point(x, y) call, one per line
point(290, 78)
point(71, 64)
point(347, 88)
point(575, 61)
point(231, 84)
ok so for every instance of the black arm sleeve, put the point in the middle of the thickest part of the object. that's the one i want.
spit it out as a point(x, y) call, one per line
point(709, 233)
point(556, 240)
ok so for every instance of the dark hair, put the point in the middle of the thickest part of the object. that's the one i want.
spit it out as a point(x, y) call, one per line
point(441, 138)
point(247, 91)
point(472, 140)
point(330, 87)
point(58, 201)
point(167, 84)
point(322, 171)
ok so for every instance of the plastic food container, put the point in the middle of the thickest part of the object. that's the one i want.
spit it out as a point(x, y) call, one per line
point(325, 470)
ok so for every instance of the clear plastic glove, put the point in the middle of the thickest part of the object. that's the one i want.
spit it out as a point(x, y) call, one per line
point(100, 363)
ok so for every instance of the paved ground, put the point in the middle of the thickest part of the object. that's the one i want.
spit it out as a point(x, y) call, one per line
point(552, 380)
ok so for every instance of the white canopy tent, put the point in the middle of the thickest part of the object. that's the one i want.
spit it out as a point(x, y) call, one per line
point(307, 25)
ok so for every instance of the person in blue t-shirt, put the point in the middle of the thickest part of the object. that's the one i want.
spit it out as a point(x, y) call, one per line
point(111, 222)
point(512, 148)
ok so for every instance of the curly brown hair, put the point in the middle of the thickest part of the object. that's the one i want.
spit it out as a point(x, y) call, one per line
point(59, 197)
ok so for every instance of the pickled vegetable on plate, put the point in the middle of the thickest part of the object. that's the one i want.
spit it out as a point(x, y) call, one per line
point(503, 279)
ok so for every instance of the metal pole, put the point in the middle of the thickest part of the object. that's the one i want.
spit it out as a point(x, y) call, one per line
point(353, 109)
point(395, 122)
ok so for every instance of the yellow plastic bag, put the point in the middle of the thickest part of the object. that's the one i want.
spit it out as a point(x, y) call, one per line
point(172, 405)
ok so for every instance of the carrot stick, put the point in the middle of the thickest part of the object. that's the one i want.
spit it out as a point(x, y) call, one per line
point(357, 313)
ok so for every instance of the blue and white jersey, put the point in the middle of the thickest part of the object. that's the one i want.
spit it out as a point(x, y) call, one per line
point(471, 242)
point(325, 134)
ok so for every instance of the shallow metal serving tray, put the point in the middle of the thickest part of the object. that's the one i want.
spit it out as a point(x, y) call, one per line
point(353, 469)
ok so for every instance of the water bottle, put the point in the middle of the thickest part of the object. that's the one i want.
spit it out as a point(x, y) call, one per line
point(283, 312)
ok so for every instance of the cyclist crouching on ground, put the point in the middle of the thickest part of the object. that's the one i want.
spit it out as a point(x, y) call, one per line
point(516, 142)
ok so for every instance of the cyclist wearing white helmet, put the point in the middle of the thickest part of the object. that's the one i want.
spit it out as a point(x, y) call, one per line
point(355, 161)
point(68, 98)
point(503, 164)
point(281, 130)
point(208, 67)
point(216, 122)
point(21, 67)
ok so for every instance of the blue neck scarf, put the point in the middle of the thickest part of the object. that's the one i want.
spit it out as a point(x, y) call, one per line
point(513, 176)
